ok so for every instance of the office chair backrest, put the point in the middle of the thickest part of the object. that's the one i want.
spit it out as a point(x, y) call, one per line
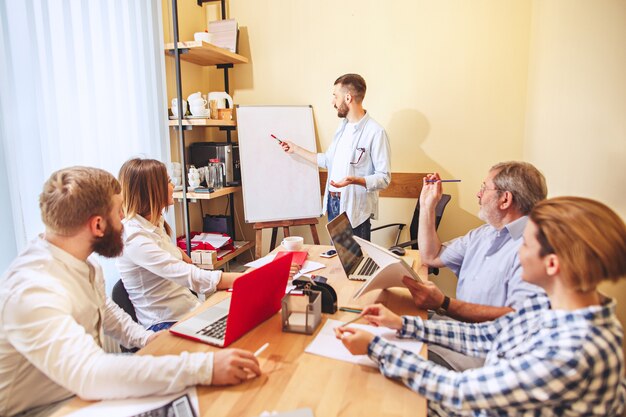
point(120, 297)
point(445, 199)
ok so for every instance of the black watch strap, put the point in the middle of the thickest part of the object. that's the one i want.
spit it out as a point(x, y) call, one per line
point(443, 308)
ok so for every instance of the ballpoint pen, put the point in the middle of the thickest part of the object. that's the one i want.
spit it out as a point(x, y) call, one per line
point(443, 180)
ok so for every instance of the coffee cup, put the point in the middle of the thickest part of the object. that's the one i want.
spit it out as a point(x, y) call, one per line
point(194, 96)
point(195, 102)
point(199, 111)
point(293, 243)
point(175, 107)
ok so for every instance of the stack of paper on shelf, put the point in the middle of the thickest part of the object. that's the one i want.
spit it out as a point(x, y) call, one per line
point(224, 34)
point(215, 240)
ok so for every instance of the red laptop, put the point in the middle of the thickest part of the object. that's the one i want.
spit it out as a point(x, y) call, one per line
point(256, 297)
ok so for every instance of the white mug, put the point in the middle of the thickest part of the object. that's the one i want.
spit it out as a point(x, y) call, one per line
point(194, 96)
point(175, 107)
point(194, 102)
point(293, 243)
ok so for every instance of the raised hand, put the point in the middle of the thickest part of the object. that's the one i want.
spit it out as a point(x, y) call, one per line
point(431, 191)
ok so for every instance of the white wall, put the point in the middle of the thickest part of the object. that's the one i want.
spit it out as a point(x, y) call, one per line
point(576, 117)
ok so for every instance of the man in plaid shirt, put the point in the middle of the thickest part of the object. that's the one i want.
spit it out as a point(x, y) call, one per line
point(559, 354)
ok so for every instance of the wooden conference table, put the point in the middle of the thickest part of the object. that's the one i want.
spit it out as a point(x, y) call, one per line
point(294, 379)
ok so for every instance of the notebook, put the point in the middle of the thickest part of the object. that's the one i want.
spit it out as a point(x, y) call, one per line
point(357, 266)
point(392, 268)
point(256, 297)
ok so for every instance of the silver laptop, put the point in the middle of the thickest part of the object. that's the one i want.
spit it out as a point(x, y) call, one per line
point(358, 267)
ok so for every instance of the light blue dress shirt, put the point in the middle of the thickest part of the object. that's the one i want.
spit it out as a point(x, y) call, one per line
point(485, 261)
point(370, 147)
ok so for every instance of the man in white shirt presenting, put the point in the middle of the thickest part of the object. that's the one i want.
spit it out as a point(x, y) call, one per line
point(358, 159)
point(54, 313)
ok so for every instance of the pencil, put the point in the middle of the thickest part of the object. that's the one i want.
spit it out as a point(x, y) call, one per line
point(279, 141)
point(351, 310)
point(443, 180)
point(261, 349)
point(351, 321)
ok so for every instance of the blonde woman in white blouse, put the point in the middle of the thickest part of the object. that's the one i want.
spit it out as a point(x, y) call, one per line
point(157, 275)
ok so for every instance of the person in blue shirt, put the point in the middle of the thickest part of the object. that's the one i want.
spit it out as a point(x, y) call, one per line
point(559, 354)
point(358, 160)
point(485, 259)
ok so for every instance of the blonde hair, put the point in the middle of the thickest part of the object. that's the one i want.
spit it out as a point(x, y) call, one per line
point(588, 238)
point(71, 196)
point(144, 189)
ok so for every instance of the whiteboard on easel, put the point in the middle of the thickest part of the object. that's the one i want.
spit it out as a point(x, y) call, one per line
point(277, 185)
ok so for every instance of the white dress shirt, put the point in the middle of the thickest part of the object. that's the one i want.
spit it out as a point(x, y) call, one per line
point(341, 159)
point(155, 276)
point(53, 313)
point(371, 155)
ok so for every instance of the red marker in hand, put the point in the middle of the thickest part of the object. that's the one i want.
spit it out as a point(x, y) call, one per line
point(279, 141)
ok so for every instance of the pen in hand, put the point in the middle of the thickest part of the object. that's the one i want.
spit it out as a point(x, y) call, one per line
point(261, 349)
point(430, 181)
point(279, 141)
point(351, 321)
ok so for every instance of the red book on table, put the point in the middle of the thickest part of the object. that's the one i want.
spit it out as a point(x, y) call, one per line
point(298, 257)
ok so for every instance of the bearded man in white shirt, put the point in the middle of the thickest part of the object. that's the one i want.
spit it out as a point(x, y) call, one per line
point(358, 160)
point(54, 313)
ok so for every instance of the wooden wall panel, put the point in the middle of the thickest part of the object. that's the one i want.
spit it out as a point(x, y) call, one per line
point(403, 184)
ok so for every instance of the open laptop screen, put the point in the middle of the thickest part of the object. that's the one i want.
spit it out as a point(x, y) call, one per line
point(347, 248)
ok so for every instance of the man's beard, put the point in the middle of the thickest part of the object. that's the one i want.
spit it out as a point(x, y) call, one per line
point(111, 244)
point(342, 110)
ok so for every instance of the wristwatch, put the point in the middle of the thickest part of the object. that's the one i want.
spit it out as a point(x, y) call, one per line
point(443, 308)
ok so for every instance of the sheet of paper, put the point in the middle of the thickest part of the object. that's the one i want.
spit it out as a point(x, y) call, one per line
point(327, 345)
point(215, 240)
point(310, 266)
point(134, 406)
point(261, 261)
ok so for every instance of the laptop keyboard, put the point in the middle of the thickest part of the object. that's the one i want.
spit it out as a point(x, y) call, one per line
point(216, 330)
point(368, 268)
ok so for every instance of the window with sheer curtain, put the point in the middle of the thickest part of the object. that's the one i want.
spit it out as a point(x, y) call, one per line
point(82, 83)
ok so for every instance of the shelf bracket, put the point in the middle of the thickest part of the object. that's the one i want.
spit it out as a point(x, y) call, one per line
point(222, 2)
point(180, 50)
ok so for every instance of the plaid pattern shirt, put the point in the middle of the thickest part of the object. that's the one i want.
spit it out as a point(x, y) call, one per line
point(538, 362)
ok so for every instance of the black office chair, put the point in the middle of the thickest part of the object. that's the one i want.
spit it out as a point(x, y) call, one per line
point(445, 199)
point(120, 297)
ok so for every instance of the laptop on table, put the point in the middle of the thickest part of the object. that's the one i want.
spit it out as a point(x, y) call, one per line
point(256, 297)
point(358, 267)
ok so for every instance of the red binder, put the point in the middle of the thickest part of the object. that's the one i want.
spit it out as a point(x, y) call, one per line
point(298, 257)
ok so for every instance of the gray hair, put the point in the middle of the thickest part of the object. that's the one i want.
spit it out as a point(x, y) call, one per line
point(523, 181)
